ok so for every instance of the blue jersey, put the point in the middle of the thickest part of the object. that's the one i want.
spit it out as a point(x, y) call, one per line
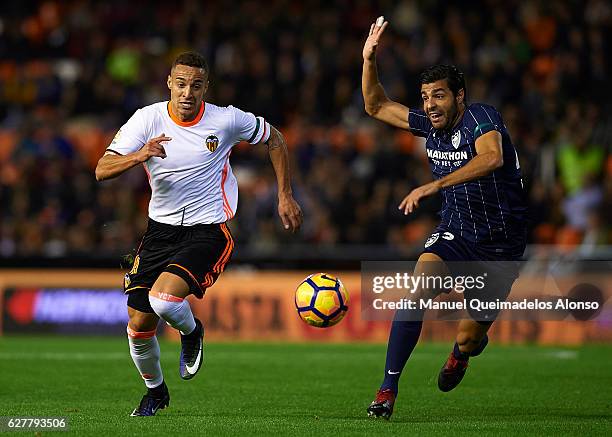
point(491, 209)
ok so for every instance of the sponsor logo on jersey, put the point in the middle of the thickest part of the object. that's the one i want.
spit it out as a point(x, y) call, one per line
point(448, 236)
point(135, 266)
point(434, 237)
point(447, 156)
point(212, 142)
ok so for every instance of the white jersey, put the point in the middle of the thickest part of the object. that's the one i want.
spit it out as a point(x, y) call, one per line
point(194, 184)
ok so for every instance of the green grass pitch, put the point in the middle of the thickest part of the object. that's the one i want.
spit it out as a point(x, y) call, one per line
point(308, 389)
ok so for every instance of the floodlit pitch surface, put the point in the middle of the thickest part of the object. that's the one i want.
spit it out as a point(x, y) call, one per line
point(308, 389)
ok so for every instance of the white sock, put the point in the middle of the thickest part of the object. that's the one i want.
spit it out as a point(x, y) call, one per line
point(174, 310)
point(144, 350)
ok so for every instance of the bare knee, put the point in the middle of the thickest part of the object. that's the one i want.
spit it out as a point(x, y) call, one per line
point(142, 322)
point(430, 265)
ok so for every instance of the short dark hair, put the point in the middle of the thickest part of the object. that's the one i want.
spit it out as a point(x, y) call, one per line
point(191, 59)
point(452, 74)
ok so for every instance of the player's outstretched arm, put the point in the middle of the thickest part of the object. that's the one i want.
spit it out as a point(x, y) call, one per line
point(112, 165)
point(377, 104)
point(488, 158)
point(288, 209)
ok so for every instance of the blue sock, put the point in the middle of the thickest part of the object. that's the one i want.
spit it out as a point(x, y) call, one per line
point(403, 338)
point(483, 344)
point(458, 354)
point(465, 355)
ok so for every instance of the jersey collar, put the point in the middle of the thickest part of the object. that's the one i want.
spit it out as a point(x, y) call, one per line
point(186, 123)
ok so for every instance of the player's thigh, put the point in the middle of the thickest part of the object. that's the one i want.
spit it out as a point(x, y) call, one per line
point(430, 265)
point(498, 278)
point(427, 257)
point(169, 283)
point(198, 262)
point(427, 264)
point(153, 255)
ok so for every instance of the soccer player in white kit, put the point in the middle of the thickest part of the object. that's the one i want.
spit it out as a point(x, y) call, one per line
point(184, 146)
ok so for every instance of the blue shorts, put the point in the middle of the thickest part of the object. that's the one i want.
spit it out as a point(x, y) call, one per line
point(449, 246)
point(499, 261)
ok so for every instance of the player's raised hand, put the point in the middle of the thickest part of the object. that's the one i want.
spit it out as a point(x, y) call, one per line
point(290, 213)
point(411, 201)
point(376, 31)
point(153, 147)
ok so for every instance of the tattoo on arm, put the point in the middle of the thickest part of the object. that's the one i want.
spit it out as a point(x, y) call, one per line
point(275, 140)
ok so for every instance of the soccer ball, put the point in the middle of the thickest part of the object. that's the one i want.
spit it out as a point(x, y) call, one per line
point(321, 300)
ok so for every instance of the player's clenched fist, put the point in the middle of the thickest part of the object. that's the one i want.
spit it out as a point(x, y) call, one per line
point(376, 31)
point(153, 148)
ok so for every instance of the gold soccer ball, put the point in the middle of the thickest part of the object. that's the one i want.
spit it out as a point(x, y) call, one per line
point(321, 300)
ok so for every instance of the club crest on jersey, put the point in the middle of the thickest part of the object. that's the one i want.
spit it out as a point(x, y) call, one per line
point(432, 239)
point(212, 142)
point(456, 139)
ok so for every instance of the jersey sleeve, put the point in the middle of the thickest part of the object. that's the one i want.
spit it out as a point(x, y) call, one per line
point(481, 119)
point(249, 128)
point(419, 123)
point(131, 137)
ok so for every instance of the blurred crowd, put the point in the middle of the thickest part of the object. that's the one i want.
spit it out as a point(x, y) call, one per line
point(72, 72)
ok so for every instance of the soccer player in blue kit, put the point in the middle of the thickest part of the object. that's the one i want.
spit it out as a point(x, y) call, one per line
point(476, 169)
